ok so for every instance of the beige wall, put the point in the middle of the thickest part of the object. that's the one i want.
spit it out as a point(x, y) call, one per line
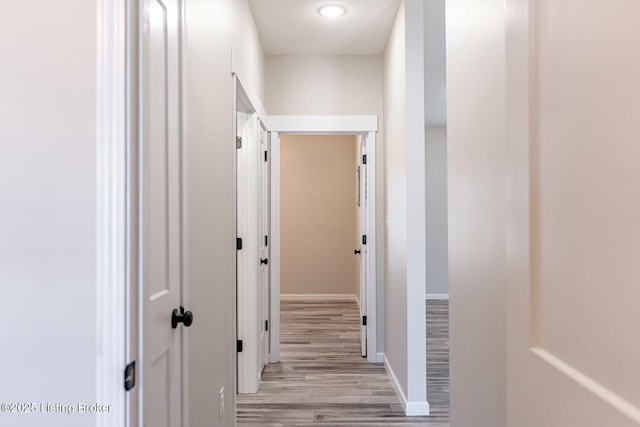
point(318, 215)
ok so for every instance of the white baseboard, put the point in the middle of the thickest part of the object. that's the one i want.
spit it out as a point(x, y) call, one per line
point(318, 297)
point(380, 358)
point(417, 409)
point(396, 383)
point(411, 409)
point(437, 296)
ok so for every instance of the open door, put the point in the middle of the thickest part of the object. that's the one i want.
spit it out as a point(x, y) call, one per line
point(574, 213)
point(362, 216)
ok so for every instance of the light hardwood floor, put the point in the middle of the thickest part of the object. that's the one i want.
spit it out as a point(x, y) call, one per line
point(323, 380)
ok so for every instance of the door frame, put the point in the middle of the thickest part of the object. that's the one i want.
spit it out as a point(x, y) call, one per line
point(323, 125)
point(116, 135)
point(119, 326)
point(248, 374)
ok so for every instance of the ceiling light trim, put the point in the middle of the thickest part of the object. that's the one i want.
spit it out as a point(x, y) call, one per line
point(332, 10)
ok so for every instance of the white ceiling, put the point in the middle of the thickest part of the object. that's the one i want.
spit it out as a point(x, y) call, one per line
point(293, 27)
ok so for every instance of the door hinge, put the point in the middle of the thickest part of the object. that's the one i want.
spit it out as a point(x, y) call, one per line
point(238, 244)
point(266, 240)
point(266, 325)
point(239, 346)
point(265, 156)
point(364, 320)
point(238, 142)
point(364, 159)
point(130, 376)
point(364, 239)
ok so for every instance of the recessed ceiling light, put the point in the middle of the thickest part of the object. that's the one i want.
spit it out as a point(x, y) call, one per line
point(332, 10)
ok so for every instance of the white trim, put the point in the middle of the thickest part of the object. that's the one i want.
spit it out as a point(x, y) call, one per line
point(395, 382)
point(184, 223)
point(319, 297)
point(249, 91)
point(111, 140)
point(323, 124)
point(274, 323)
point(247, 259)
point(380, 357)
point(433, 297)
point(411, 409)
point(417, 409)
point(372, 250)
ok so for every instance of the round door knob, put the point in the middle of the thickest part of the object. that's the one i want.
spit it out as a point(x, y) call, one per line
point(181, 316)
point(264, 261)
point(356, 252)
point(187, 318)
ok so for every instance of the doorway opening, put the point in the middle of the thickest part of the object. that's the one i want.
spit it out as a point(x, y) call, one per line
point(363, 130)
point(259, 231)
point(323, 235)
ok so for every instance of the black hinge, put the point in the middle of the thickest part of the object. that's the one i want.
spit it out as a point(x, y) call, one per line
point(266, 240)
point(130, 376)
point(364, 320)
point(364, 239)
point(239, 346)
point(265, 156)
point(364, 159)
point(238, 244)
point(266, 325)
point(238, 142)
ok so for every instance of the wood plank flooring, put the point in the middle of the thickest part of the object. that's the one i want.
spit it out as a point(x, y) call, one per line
point(323, 380)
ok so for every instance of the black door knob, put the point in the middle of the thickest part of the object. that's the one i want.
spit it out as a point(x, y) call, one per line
point(357, 251)
point(264, 261)
point(181, 316)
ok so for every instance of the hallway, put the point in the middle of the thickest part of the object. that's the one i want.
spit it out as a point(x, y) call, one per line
point(323, 380)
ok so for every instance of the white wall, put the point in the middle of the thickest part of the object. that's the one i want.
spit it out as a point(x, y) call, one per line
point(395, 292)
point(342, 85)
point(435, 57)
point(405, 334)
point(437, 285)
point(435, 113)
point(47, 208)
point(215, 27)
point(476, 172)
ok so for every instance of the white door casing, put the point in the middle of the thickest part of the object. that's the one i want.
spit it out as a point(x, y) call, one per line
point(362, 230)
point(160, 249)
point(252, 223)
point(573, 213)
point(322, 125)
point(263, 238)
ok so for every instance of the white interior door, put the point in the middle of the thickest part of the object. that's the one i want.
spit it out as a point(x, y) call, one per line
point(160, 212)
point(573, 85)
point(362, 215)
point(250, 316)
point(263, 237)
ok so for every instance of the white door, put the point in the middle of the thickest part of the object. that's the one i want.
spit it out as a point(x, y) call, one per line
point(362, 216)
point(263, 244)
point(573, 224)
point(160, 213)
